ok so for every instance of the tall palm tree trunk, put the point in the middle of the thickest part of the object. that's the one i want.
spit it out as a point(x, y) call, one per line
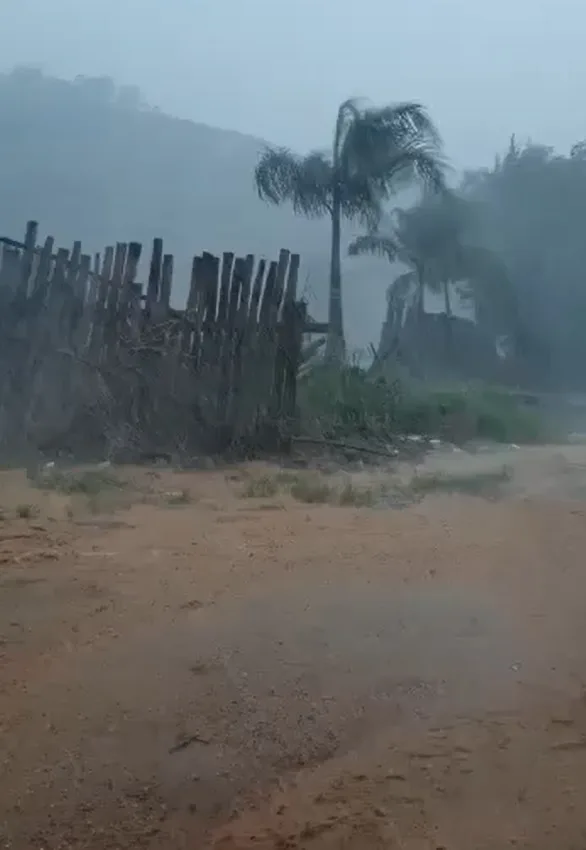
point(420, 319)
point(335, 347)
point(447, 317)
point(420, 296)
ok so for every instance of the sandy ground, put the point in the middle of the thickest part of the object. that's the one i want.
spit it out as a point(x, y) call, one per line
point(209, 671)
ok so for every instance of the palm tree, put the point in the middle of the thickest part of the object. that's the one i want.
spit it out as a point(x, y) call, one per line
point(374, 152)
point(427, 238)
point(430, 239)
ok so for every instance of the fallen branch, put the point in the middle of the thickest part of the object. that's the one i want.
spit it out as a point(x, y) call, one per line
point(343, 446)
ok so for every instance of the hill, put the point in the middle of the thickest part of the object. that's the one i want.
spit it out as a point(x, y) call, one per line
point(90, 161)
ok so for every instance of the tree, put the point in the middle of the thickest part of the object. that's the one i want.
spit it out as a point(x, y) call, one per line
point(434, 239)
point(374, 152)
point(533, 214)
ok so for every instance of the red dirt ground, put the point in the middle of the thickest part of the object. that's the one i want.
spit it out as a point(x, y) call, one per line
point(233, 673)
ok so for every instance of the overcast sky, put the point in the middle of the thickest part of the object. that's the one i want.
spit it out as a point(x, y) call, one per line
point(278, 69)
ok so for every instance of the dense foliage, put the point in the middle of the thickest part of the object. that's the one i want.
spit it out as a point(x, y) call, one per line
point(512, 239)
point(349, 403)
point(533, 203)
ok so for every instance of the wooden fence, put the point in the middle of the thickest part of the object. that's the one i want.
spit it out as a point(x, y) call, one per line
point(93, 361)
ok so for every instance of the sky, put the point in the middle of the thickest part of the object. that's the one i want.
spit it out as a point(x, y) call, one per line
point(279, 69)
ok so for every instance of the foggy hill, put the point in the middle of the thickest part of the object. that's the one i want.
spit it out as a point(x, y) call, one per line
point(90, 161)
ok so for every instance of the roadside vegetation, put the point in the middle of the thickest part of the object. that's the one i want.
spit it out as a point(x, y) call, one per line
point(477, 238)
point(380, 488)
point(345, 403)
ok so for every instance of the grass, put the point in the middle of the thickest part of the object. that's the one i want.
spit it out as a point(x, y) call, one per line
point(88, 482)
point(99, 488)
point(176, 498)
point(260, 487)
point(479, 483)
point(26, 511)
point(341, 403)
point(348, 403)
point(313, 488)
point(353, 495)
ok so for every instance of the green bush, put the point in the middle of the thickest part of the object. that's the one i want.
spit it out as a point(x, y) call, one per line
point(341, 402)
point(348, 402)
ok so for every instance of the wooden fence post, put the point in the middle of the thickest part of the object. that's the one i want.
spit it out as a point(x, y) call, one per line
point(30, 241)
point(222, 371)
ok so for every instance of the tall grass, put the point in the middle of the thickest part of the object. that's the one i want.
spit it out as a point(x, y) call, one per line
point(341, 403)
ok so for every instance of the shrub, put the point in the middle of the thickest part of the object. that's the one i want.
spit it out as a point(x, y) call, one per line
point(341, 403)
point(344, 402)
point(311, 489)
point(260, 487)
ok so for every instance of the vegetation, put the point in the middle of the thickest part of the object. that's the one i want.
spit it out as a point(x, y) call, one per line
point(509, 237)
point(377, 487)
point(435, 240)
point(88, 482)
point(488, 483)
point(533, 216)
point(374, 152)
point(311, 489)
point(316, 488)
point(348, 403)
point(259, 487)
point(26, 511)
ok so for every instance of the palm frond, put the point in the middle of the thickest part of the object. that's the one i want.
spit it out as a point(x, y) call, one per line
point(361, 200)
point(305, 182)
point(433, 229)
point(392, 145)
point(348, 113)
point(414, 233)
point(375, 243)
point(412, 118)
point(415, 160)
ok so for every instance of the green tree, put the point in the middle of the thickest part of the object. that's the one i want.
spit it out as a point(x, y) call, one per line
point(435, 240)
point(374, 152)
point(533, 207)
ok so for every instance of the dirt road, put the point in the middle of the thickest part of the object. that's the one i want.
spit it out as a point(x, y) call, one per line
point(201, 670)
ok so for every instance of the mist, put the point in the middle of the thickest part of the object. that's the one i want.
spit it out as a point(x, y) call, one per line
point(278, 71)
point(269, 72)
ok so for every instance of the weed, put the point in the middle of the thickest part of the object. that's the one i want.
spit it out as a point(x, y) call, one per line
point(348, 402)
point(310, 489)
point(480, 483)
point(178, 497)
point(26, 511)
point(286, 477)
point(353, 495)
point(89, 482)
point(260, 487)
